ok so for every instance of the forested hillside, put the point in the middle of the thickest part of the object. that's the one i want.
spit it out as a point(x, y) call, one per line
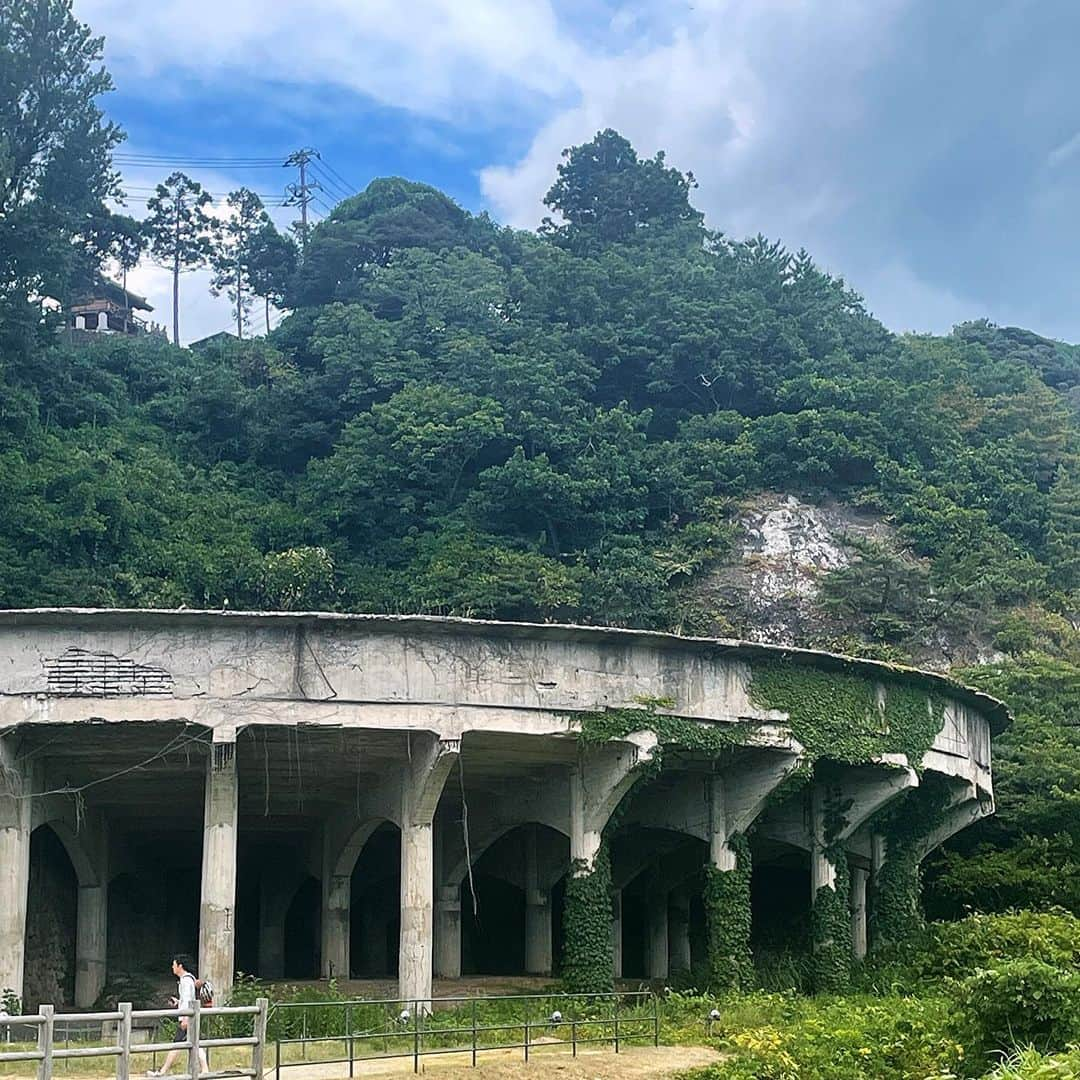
point(467, 419)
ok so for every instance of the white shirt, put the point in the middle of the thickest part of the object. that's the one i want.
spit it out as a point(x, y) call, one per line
point(185, 991)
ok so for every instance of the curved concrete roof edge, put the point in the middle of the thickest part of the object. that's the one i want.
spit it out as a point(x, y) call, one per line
point(996, 712)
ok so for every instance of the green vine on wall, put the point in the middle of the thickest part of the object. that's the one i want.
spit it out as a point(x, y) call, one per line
point(838, 715)
point(728, 921)
point(588, 956)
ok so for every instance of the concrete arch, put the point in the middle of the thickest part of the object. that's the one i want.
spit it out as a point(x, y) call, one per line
point(488, 838)
point(86, 872)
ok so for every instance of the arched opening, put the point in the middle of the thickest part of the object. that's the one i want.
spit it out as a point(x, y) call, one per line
point(508, 928)
point(375, 916)
point(153, 908)
point(780, 914)
point(303, 931)
point(659, 875)
point(51, 913)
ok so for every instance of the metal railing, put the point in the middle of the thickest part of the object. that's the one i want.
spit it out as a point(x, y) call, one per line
point(47, 1053)
point(389, 1028)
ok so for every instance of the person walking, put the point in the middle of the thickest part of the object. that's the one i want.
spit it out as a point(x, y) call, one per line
point(186, 994)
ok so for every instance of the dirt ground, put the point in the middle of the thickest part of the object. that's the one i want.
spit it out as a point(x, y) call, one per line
point(555, 1063)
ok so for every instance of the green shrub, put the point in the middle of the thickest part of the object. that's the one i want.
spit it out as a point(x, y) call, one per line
point(1016, 1004)
point(959, 949)
point(784, 1037)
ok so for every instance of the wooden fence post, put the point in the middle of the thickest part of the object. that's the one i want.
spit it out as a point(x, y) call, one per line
point(258, 1054)
point(123, 1040)
point(193, 1039)
point(45, 1042)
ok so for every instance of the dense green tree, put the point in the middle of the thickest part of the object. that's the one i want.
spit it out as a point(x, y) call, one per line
point(606, 194)
point(235, 248)
point(272, 261)
point(180, 232)
point(55, 168)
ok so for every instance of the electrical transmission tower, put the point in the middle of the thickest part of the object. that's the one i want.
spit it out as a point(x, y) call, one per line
point(301, 194)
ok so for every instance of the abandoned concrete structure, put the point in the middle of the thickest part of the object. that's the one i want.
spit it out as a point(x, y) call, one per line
point(318, 794)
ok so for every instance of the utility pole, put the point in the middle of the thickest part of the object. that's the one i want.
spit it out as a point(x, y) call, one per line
point(176, 270)
point(301, 194)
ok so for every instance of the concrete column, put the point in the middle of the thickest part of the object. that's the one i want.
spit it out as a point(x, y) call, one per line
point(375, 958)
point(537, 912)
point(14, 870)
point(271, 946)
point(616, 933)
point(679, 930)
point(585, 836)
point(417, 886)
point(822, 871)
point(217, 909)
point(91, 921)
point(448, 932)
point(657, 916)
point(721, 854)
point(859, 878)
point(422, 784)
point(537, 933)
point(336, 913)
point(90, 938)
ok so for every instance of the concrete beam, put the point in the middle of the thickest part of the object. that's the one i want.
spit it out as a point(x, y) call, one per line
point(16, 786)
point(970, 805)
point(217, 907)
point(869, 792)
point(597, 785)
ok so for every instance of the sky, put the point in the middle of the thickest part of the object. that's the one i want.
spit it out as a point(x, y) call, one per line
point(927, 152)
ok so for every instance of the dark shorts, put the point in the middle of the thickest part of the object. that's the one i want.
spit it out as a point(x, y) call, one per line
point(181, 1034)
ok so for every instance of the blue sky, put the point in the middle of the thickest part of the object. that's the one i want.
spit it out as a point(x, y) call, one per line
point(927, 151)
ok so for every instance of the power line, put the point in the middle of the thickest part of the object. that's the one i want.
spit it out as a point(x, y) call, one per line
point(352, 188)
point(332, 186)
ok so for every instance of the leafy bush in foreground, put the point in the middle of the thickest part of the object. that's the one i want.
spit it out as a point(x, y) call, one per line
point(1016, 1004)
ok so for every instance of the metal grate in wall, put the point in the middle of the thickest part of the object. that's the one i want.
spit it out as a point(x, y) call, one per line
point(78, 673)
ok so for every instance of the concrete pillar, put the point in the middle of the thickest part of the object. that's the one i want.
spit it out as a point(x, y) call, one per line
point(336, 912)
point(417, 886)
point(679, 930)
point(91, 920)
point(537, 912)
point(859, 878)
point(822, 871)
point(14, 869)
point(537, 933)
point(657, 916)
point(721, 854)
point(90, 939)
point(276, 892)
point(448, 932)
point(616, 933)
point(585, 836)
point(374, 956)
point(421, 786)
point(217, 908)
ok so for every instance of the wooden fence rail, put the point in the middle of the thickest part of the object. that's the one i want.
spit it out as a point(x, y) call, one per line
point(47, 1053)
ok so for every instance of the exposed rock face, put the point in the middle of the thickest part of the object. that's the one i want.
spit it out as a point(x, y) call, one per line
point(786, 547)
point(772, 591)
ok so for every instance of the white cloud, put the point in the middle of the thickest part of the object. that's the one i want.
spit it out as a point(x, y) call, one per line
point(431, 56)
